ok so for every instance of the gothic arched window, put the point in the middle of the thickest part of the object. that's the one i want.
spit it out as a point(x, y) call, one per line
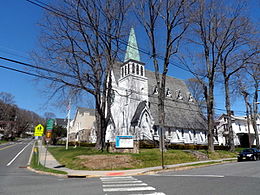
point(137, 69)
point(122, 71)
point(133, 68)
point(142, 71)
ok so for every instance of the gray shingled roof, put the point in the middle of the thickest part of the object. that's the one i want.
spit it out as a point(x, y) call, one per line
point(179, 114)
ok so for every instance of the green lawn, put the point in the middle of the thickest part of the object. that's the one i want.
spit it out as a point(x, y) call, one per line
point(146, 157)
point(3, 141)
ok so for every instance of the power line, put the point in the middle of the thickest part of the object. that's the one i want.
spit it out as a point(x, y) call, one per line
point(64, 15)
point(64, 74)
point(37, 67)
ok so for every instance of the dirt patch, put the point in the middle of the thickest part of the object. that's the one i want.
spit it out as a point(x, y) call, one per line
point(107, 161)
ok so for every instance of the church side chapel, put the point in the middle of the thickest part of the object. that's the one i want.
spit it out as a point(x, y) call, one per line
point(135, 104)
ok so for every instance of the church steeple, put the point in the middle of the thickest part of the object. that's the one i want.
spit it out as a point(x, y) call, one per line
point(132, 51)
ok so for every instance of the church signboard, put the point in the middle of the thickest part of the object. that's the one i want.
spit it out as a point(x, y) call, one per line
point(125, 141)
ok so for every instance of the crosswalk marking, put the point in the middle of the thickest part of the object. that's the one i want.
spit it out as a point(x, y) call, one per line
point(128, 189)
point(136, 181)
point(154, 193)
point(124, 185)
point(127, 184)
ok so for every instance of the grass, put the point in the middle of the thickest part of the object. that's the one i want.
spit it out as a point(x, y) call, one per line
point(3, 141)
point(146, 157)
point(38, 166)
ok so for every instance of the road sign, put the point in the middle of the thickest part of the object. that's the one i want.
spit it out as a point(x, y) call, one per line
point(49, 125)
point(38, 130)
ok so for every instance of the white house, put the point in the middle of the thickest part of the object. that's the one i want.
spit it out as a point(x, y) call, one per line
point(82, 125)
point(240, 129)
point(135, 104)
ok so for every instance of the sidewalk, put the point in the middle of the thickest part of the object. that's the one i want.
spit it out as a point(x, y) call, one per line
point(50, 162)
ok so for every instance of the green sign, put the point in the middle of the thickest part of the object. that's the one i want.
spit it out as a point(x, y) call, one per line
point(38, 130)
point(49, 125)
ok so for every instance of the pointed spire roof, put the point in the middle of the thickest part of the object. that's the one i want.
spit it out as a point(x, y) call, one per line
point(132, 51)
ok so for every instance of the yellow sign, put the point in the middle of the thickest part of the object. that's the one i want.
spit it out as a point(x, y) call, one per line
point(38, 130)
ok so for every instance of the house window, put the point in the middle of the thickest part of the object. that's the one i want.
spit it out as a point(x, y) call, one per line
point(239, 127)
point(122, 71)
point(182, 133)
point(125, 70)
point(128, 68)
point(142, 71)
point(133, 68)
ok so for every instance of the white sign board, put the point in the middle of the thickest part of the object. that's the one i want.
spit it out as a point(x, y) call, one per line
point(124, 142)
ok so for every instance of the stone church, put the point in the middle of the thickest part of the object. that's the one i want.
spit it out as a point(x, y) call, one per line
point(135, 104)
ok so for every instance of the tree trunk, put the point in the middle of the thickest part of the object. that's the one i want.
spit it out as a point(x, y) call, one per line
point(255, 112)
point(229, 123)
point(210, 103)
point(245, 94)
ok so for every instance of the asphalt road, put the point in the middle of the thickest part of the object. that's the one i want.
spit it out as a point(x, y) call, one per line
point(232, 178)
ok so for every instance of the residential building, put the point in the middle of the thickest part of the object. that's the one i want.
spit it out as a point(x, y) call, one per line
point(240, 130)
point(82, 126)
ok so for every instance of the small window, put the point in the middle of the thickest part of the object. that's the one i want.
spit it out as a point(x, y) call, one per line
point(179, 95)
point(155, 90)
point(122, 71)
point(169, 132)
point(133, 68)
point(125, 71)
point(128, 68)
point(168, 93)
point(142, 71)
point(182, 133)
point(191, 99)
point(137, 69)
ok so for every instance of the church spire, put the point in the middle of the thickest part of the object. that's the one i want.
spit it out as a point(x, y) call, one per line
point(132, 51)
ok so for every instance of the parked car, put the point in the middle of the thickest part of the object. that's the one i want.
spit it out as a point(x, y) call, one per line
point(249, 154)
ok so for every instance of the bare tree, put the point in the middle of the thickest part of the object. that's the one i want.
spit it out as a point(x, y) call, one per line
point(234, 51)
point(81, 41)
point(170, 17)
point(196, 90)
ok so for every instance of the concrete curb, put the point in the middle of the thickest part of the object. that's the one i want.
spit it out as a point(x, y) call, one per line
point(46, 173)
point(30, 158)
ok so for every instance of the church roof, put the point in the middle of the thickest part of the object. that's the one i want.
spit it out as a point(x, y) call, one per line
point(180, 113)
point(132, 51)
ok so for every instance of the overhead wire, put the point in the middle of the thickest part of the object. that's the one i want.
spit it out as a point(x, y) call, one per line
point(64, 74)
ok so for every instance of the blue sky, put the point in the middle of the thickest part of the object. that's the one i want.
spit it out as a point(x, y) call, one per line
point(18, 36)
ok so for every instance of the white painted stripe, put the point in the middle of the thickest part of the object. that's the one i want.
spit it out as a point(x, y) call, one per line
point(116, 177)
point(154, 193)
point(119, 179)
point(218, 176)
point(17, 155)
point(128, 189)
point(137, 181)
point(125, 185)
